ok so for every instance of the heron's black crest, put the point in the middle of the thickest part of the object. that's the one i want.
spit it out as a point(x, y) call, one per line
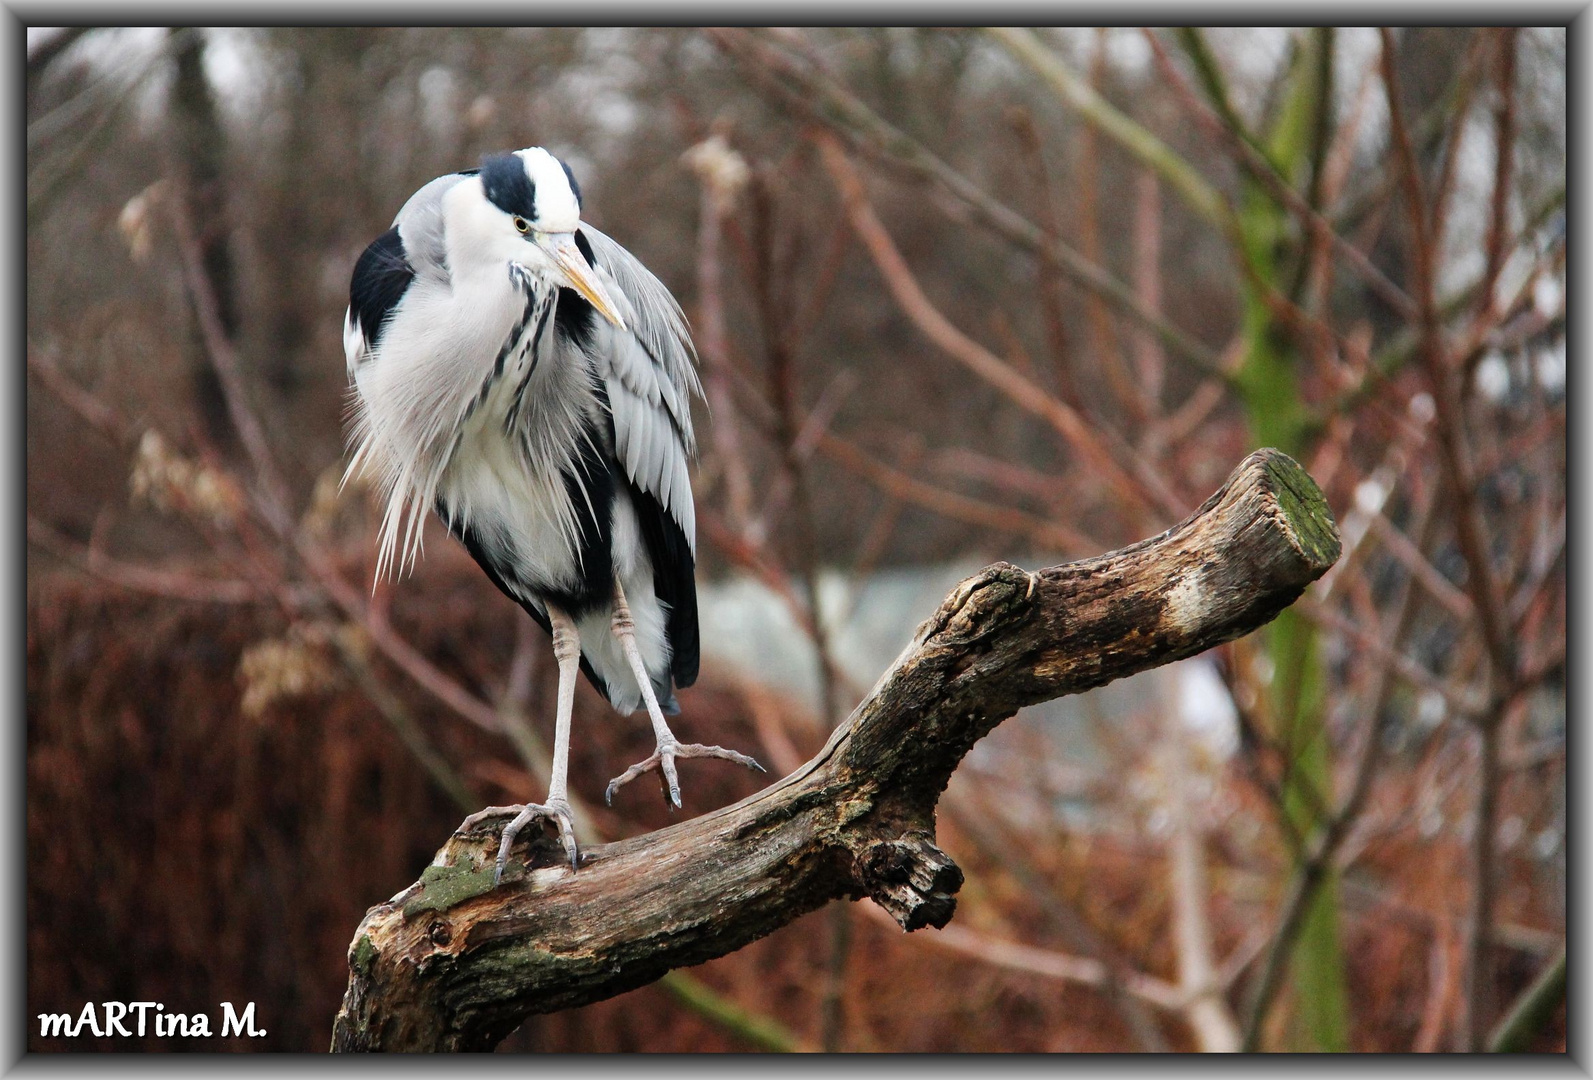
point(575, 189)
point(508, 186)
point(380, 279)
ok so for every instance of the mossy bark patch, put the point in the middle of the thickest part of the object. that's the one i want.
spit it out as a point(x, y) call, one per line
point(443, 887)
point(1305, 507)
point(364, 954)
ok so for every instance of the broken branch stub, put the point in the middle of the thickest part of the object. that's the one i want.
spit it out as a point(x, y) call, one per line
point(452, 964)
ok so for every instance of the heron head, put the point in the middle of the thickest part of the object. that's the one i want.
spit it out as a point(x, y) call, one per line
point(540, 204)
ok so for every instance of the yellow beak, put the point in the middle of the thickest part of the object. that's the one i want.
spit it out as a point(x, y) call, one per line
point(561, 248)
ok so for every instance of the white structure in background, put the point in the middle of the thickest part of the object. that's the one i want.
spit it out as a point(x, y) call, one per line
point(1206, 708)
point(746, 626)
point(748, 629)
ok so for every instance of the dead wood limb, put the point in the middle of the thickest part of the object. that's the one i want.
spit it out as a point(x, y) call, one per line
point(452, 964)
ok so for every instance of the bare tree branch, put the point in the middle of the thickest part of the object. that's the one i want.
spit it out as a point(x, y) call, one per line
point(453, 963)
point(89, 408)
point(1531, 1010)
point(1481, 581)
point(1047, 963)
point(1263, 172)
point(1330, 837)
point(814, 95)
point(228, 367)
point(1054, 533)
point(158, 581)
point(1135, 479)
point(1077, 94)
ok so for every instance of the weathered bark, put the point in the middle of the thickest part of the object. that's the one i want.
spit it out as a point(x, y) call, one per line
point(452, 964)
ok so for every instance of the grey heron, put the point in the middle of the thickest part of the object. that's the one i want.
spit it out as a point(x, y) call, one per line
point(526, 377)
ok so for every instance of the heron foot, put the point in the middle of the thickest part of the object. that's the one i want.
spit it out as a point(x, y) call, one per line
point(663, 759)
point(556, 810)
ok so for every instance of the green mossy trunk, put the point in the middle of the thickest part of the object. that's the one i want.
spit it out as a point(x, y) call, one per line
point(1278, 413)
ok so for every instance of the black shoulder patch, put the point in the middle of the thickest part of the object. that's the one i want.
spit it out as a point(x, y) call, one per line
point(574, 319)
point(575, 189)
point(508, 186)
point(380, 279)
point(584, 246)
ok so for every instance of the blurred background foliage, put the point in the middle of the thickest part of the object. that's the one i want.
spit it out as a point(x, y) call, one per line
point(960, 295)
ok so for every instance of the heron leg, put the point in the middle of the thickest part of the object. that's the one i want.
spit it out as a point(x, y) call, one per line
point(669, 748)
point(567, 650)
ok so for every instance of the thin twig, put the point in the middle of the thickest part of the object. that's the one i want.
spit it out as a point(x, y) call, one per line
point(1049, 293)
point(229, 371)
point(1330, 836)
point(1414, 672)
point(1099, 113)
point(721, 172)
point(1532, 1009)
point(1453, 599)
point(990, 828)
point(1019, 481)
point(1262, 170)
point(1053, 534)
point(1104, 350)
point(89, 408)
point(403, 723)
point(1208, 1014)
point(781, 344)
point(1474, 547)
point(1454, 137)
point(1137, 481)
point(1036, 961)
point(1150, 359)
point(1504, 173)
point(148, 579)
point(1449, 422)
point(825, 100)
point(1443, 986)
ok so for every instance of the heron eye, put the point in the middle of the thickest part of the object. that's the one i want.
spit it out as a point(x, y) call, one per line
point(522, 224)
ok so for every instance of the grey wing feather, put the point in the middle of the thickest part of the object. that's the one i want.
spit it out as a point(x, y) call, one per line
point(651, 377)
point(420, 224)
point(423, 253)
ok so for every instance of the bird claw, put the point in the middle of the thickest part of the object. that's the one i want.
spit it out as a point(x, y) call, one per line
point(663, 759)
point(558, 810)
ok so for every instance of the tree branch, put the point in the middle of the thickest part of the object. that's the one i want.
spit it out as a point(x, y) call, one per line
point(813, 95)
point(1135, 480)
point(451, 963)
point(1532, 1010)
